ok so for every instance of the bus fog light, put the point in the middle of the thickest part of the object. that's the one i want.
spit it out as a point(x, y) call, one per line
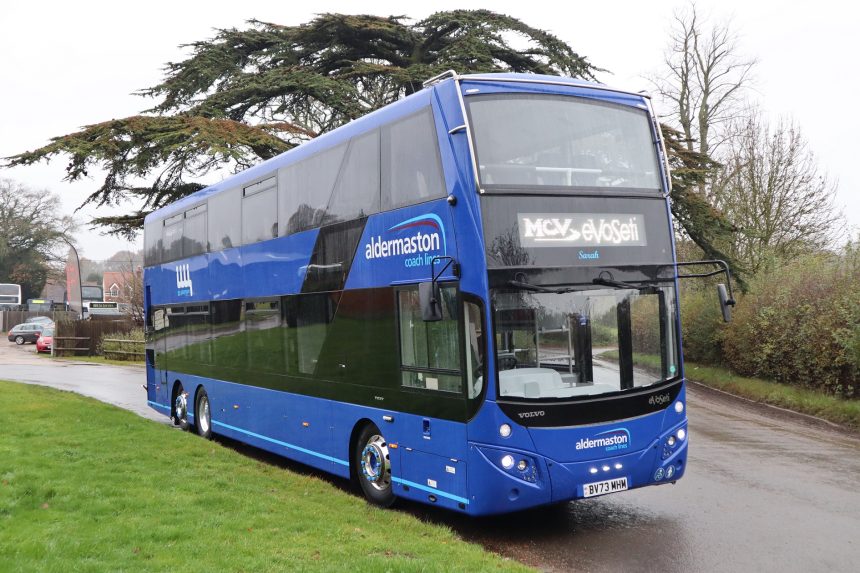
point(682, 433)
point(504, 430)
point(671, 440)
point(522, 465)
point(679, 406)
point(507, 461)
point(670, 471)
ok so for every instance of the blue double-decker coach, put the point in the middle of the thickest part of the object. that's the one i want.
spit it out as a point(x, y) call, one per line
point(442, 300)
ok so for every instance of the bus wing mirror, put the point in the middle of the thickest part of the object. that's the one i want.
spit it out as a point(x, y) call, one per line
point(724, 291)
point(428, 296)
point(726, 303)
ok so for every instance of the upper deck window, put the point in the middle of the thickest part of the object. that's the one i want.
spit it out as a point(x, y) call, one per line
point(411, 167)
point(562, 143)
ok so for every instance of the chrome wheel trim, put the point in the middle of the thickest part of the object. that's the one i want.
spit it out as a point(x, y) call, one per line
point(180, 407)
point(204, 419)
point(376, 464)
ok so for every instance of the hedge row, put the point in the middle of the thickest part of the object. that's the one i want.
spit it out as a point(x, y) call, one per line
point(798, 324)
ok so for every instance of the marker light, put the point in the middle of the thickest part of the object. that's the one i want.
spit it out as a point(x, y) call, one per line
point(504, 430)
point(670, 471)
point(606, 468)
point(618, 466)
point(682, 433)
point(679, 406)
point(522, 465)
point(592, 470)
point(671, 440)
point(508, 461)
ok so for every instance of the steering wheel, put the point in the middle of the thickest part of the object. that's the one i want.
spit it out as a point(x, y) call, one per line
point(507, 362)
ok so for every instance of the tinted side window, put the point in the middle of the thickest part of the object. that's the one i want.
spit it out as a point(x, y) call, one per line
point(260, 212)
point(313, 314)
point(411, 168)
point(152, 243)
point(265, 336)
point(177, 336)
point(357, 191)
point(225, 220)
point(194, 239)
point(228, 330)
point(198, 350)
point(305, 188)
point(173, 237)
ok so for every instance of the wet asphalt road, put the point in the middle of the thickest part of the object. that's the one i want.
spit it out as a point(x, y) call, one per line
point(763, 491)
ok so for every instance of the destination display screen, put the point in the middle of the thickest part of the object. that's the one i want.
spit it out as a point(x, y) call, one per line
point(532, 231)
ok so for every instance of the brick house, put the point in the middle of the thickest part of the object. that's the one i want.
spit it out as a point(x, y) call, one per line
point(116, 286)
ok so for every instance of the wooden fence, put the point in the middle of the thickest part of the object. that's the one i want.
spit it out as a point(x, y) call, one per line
point(82, 337)
point(9, 318)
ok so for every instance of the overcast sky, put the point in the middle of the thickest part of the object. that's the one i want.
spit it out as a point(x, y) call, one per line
point(64, 65)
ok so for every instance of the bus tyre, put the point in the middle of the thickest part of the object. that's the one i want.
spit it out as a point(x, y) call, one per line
point(373, 466)
point(203, 415)
point(179, 416)
point(19, 340)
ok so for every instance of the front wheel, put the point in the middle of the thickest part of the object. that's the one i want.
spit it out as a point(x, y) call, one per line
point(373, 466)
point(203, 415)
point(19, 340)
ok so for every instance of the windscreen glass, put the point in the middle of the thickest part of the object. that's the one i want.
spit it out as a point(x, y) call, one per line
point(562, 142)
point(584, 343)
point(13, 290)
point(92, 293)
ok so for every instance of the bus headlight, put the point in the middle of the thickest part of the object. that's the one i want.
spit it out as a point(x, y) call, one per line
point(507, 461)
point(505, 430)
point(679, 406)
point(682, 433)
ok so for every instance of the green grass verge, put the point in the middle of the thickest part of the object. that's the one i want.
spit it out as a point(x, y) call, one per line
point(88, 487)
point(804, 400)
point(95, 360)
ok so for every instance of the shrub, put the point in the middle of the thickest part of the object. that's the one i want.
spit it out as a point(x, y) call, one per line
point(115, 350)
point(800, 325)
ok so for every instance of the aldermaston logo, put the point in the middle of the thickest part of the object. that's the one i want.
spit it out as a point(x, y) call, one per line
point(610, 440)
point(184, 286)
point(580, 230)
point(417, 240)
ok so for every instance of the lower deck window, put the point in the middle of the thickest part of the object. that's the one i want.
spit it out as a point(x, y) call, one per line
point(429, 351)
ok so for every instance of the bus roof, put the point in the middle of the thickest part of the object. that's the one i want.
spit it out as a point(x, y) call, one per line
point(374, 119)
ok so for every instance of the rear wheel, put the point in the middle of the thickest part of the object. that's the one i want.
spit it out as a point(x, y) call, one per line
point(179, 415)
point(373, 466)
point(19, 340)
point(203, 415)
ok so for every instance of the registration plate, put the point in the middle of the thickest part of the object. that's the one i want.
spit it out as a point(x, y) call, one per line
point(604, 487)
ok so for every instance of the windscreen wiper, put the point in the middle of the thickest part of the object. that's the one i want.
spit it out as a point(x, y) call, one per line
point(649, 289)
point(537, 288)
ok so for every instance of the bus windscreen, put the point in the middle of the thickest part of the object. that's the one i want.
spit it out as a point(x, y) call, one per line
point(558, 142)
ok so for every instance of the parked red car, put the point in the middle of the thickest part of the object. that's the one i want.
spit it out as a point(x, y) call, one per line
point(44, 342)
